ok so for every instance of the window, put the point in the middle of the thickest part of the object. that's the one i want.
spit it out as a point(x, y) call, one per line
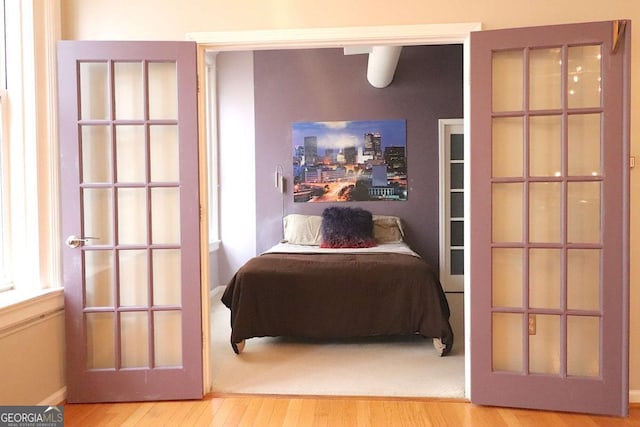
point(29, 254)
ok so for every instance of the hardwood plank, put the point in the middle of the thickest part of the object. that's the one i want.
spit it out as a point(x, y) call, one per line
point(250, 413)
point(256, 410)
point(363, 411)
point(117, 415)
point(307, 412)
point(264, 414)
point(342, 413)
point(225, 410)
point(197, 412)
point(237, 413)
point(321, 413)
point(292, 415)
point(78, 414)
point(214, 404)
point(280, 408)
point(439, 415)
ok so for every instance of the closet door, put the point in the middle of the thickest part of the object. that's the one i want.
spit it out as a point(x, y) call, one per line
point(550, 217)
point(131, 215)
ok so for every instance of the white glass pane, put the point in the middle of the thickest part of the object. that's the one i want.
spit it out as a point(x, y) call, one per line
point(96, 154)
point(583, 346)
point(506, 212)
point(507, 147)
point(167, 283)
point(168, 338)
point(583, 279)
point(130, 149)
point(583, 213)
point(544, 278)
point(507, 80)
point(506, 277)
point(165, 155)
point(132, 216)
point(134, 335)
point(584, 80)
point(545, 78)
point(98, 213)
point(163, 91)
point(100, 340)
point(129, 90)
point(584, 144)
point(545, 139)
point(133, 267)
point(544, 345)
point(94, 91)
point(545, 212)
point(165, 214)
point(507, 342)
point(98, 278)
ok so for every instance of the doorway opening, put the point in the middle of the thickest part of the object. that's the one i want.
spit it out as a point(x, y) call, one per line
point(410, 35)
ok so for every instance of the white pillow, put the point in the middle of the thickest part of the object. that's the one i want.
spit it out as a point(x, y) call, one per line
point(303, 229)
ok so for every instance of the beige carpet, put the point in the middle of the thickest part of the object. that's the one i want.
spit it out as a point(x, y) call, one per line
point(376, 366)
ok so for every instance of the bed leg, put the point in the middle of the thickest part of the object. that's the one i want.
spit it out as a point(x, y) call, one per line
point(237, 348)
point(439, 346)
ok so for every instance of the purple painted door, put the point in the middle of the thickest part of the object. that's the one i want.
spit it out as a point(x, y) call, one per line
point(550, 217)
point(129, 184)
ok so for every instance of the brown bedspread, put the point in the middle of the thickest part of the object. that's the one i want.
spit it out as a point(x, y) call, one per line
point(337, 296)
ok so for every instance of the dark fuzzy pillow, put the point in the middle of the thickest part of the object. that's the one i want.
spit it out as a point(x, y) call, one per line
point(347, 228)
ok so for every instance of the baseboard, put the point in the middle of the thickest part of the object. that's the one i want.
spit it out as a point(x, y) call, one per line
point(56, 398)
point(59, 396)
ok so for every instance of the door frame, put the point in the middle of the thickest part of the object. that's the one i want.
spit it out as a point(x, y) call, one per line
point(404, 35)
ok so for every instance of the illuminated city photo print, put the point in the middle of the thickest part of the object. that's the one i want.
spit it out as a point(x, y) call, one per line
point(346, 161)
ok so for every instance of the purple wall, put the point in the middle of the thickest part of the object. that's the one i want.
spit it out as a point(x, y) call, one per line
point(326, 85)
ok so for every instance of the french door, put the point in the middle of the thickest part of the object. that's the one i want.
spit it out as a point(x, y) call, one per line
point(550, 217)
point(131, 215)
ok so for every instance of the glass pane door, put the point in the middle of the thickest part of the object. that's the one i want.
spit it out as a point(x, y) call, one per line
point(133, 220)
point(549, 203)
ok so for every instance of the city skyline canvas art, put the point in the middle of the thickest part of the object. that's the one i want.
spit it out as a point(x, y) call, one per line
point(343, 161)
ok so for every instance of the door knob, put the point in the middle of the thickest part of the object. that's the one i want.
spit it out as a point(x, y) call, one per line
point(74, 241)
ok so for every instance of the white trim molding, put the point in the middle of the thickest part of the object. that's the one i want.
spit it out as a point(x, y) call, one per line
point(400, 35)
point(446, 128)
point(20, 309)
point(634, 396)
point(55, 399)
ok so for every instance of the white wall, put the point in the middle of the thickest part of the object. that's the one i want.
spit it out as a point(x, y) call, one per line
point(237, 162)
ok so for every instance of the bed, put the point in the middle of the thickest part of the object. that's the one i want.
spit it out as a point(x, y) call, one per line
point(304, 288)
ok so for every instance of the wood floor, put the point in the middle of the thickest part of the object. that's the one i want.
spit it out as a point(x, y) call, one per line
point(259, 411)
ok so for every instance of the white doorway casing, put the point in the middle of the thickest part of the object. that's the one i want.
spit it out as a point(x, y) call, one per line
point(398, 35)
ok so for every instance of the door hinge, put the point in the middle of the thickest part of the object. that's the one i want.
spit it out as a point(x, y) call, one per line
point(618, 31)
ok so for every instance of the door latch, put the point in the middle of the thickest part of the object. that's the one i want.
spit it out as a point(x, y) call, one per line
point(74, 241)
